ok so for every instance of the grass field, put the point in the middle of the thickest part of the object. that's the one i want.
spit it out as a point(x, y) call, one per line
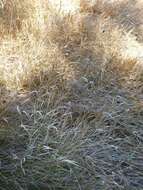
point(71, 95)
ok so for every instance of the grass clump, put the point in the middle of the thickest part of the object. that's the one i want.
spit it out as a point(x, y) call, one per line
point(70, 96)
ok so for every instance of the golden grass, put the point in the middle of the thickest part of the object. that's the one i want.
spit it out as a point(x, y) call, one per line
point(70, 95)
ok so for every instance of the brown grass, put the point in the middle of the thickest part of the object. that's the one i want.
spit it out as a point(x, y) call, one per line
point(71, 96)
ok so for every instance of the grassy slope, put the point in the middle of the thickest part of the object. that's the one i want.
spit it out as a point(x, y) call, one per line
point(71, 107)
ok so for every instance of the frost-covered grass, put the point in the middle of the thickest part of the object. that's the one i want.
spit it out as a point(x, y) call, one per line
point(71, 105)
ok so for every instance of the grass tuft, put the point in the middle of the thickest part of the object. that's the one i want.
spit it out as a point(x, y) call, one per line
point(71, 102)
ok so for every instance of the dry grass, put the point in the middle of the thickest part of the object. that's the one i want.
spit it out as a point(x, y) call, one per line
point(71, 102)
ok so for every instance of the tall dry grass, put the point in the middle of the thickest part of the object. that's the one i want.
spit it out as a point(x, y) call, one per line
point(68, 119)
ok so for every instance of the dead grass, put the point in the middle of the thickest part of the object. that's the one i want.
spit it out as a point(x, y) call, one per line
point(71, 102)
